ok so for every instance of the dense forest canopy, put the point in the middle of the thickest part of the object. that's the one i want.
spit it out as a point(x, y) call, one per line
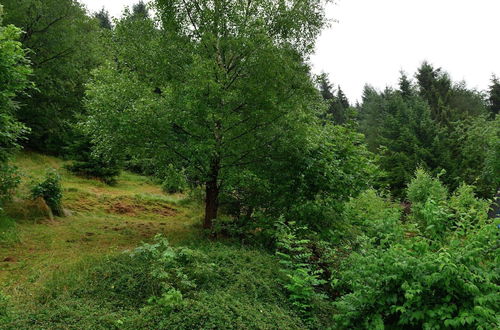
point(305, 209)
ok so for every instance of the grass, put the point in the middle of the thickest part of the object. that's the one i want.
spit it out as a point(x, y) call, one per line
point(101, 220)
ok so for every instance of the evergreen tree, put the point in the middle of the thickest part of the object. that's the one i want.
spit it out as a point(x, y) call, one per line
point(103, 18)
point(337, 103)
point(140, 10)
point(494, 96)
point(435, 88)
point(405, 85)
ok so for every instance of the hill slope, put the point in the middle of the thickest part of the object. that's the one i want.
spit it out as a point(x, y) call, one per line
point(101, 219)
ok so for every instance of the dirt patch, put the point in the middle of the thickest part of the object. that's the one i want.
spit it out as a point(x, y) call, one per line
point(9, 259)
point(132, 208)
point(123, 208)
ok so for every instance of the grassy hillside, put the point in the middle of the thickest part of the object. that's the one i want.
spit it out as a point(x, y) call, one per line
point(130, 257)
point(101, 220)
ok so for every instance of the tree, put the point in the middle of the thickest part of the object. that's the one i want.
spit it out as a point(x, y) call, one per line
point(140, 10)
point(337, 103)
point(212, 87)
point(435, 87)
point(14, 73)
point(103, 18)
point(63, 50)
point(494, 96)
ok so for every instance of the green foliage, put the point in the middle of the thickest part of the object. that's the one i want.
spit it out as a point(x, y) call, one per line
point(209, 286)
point(423, 187)
point(220, 98)
point(8, 231)
point(437, 214)
point(295, 258)
point(64, 47)
point(375, 216)
point(91, 165)
point(4, 309)
point(445, 275)
point(174, 181)
point(413, 285)
point(429, 209)
point(14, 72)
point(480, 155)
point(468, 211)
point(435, 124)
point(337, 105)
point(307, 179)
point(9, 180)
point(494, 96)
point(51, 191)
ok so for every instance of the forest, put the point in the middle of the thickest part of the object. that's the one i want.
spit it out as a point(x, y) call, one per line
point(182, 167)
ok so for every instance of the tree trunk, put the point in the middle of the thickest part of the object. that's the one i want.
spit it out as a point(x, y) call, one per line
point(211, 203)
point(212, 195)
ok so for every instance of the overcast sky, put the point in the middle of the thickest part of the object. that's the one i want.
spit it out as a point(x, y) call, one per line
point(373, 40)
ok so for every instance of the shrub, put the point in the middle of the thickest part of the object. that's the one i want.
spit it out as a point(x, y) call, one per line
point(468, 211)
point(412, 285)
point(9, 180)
point(429, 209)
point(95, 169)
point(375, 216)
point(302, 277)
point(88, 164)
point(423, 187)
point(174, 181)
point(50, 190)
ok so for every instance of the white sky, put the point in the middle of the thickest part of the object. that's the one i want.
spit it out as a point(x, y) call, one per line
point(374, 39)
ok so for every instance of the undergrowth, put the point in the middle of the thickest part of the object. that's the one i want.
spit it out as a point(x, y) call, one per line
point(207, 285)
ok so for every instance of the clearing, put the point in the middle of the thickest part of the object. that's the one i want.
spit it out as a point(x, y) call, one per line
point(101, 220)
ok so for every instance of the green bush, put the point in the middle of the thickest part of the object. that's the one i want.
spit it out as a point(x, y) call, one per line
point(468, 211)
point(174, 181)
point(375, 216)
point(429, 209)
point(423, 187)
point(413, 285)
point(51, 191)
point(301, 276)
point(9, 180)
point(95, 169)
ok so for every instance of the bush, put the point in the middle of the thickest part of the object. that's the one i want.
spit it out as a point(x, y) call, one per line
point(302, 277)
point(468, 211)
point(429, 209)
point(174, 181)
point(412, 285)
point(50, 190)
point(95, 169)
point(423, 187)
point(375, 216)
point(88, 164)
point(9, 180)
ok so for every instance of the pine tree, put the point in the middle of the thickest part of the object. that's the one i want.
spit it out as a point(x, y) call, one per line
point(494, 96)
point(103, 18)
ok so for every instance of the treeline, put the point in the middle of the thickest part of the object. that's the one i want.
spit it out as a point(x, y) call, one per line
point(430, 122)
